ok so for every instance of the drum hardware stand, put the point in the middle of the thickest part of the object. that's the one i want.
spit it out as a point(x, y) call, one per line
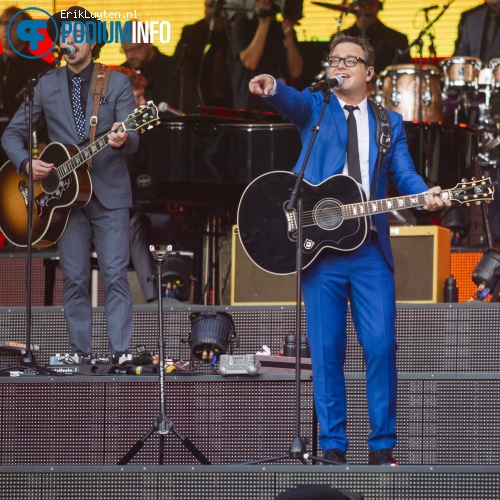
point(27, 362)
point(420, 42)
point(162, 424)
point(297, 450)
point(490, 252)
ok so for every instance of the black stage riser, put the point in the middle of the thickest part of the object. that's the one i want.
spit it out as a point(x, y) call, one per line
point(440, 422)
point(206, 483)
point(435, 338)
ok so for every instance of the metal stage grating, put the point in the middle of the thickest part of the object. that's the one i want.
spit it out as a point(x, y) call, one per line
point(433, 338)
point(70, 422)
point(251, 483)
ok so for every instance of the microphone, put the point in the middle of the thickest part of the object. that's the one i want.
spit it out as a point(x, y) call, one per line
point(427, 9)
point(336, 81)
point(163, 107)
point(62, 52)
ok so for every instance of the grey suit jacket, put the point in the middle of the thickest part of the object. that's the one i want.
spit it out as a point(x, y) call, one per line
point(109, 174)
point(470, 34)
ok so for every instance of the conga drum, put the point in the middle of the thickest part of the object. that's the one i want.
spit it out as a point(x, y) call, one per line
point(413, 92)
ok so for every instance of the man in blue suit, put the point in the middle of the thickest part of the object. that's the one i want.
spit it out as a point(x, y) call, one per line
point(363, 277)
point(104, 221)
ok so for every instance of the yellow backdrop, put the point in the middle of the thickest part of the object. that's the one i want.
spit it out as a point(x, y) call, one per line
point(318, 23)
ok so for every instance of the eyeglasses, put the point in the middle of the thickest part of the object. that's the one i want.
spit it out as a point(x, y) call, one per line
point(349, 61)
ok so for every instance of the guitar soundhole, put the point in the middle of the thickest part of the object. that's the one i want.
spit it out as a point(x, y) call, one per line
point(51, 183)
point(328, 214)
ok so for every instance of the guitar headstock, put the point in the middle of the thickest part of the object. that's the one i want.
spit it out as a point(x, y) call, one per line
point(474, 191)
point(142, 118)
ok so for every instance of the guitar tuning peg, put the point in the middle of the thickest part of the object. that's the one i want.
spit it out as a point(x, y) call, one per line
point(468, 204)
point(478, 202)
point(473, 179)
point(464, 180)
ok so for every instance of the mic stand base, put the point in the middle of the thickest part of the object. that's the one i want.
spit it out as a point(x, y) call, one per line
point(162, 424)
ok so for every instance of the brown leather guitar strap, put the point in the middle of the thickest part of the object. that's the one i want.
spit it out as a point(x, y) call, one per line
point(98, 89)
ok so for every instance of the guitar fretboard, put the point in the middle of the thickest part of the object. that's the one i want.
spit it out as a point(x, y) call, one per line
point(74, 162)
point(387, 205)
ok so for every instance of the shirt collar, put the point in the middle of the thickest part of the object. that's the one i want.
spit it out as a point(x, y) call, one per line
point(363, 106)
point(85, 73)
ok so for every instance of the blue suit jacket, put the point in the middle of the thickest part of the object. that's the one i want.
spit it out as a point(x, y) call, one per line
point(328, 155)
point(109, 174)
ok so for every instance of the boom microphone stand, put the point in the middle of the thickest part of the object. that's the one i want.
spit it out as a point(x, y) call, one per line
point(297, 450)
point(27, 359)
point(162, 424)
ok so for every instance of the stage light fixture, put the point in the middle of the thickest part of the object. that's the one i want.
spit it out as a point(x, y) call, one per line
point(457, 220)
point(176, 277)
point(211, 335)
point(486, 276)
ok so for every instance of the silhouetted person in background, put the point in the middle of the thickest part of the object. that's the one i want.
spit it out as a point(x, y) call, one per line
point(205, 45)
point(15, 70)
point(169, 80)
point(386, 42)
point(262, 45)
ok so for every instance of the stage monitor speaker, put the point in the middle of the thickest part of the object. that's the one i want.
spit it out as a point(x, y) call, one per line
point(422, 263)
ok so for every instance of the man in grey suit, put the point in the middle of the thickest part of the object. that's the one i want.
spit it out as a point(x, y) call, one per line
point(104, 221)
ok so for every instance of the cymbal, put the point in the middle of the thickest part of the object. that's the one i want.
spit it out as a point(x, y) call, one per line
point(331, 6)
point(341, 8)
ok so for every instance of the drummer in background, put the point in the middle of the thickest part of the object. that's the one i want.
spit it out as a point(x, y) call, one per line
point(479, 36)
point(479, 32)
point(391, 46)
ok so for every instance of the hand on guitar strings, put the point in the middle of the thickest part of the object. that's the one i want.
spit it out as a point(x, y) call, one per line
point(41, 169)
point(434, 200)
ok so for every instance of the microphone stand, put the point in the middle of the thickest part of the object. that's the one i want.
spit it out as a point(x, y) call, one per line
point(297, 449)
point(420, 42)
point(362, 5)
point(27, 359)
point(163, 424)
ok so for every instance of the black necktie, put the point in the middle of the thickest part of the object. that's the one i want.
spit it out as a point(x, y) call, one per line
point(352, 145)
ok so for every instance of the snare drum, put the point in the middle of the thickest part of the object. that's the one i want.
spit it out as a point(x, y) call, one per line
point(400, 87)
point(461, 72)
point(495, 68)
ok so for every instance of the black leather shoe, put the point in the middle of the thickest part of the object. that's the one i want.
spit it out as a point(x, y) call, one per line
point(335, 455)
point(381, 457)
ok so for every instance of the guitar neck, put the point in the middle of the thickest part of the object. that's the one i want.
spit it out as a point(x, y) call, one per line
point(80, 158)
point(366, 208)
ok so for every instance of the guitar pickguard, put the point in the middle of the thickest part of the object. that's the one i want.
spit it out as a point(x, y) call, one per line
point(44, 200)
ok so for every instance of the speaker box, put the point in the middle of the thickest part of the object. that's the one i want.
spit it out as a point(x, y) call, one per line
point(421, 258)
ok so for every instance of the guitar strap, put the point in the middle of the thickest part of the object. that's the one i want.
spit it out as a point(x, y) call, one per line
point(383, 135)
point(98, 89)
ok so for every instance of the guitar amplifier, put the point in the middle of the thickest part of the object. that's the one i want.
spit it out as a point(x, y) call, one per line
point(422, 260)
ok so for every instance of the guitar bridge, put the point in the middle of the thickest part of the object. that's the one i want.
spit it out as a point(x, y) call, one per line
point(291, 219)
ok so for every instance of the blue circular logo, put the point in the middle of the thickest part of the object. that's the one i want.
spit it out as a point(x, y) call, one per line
point(28, 31)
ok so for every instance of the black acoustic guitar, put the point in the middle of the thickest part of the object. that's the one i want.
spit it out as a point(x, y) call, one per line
point(68, 186)
point(335, 216)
